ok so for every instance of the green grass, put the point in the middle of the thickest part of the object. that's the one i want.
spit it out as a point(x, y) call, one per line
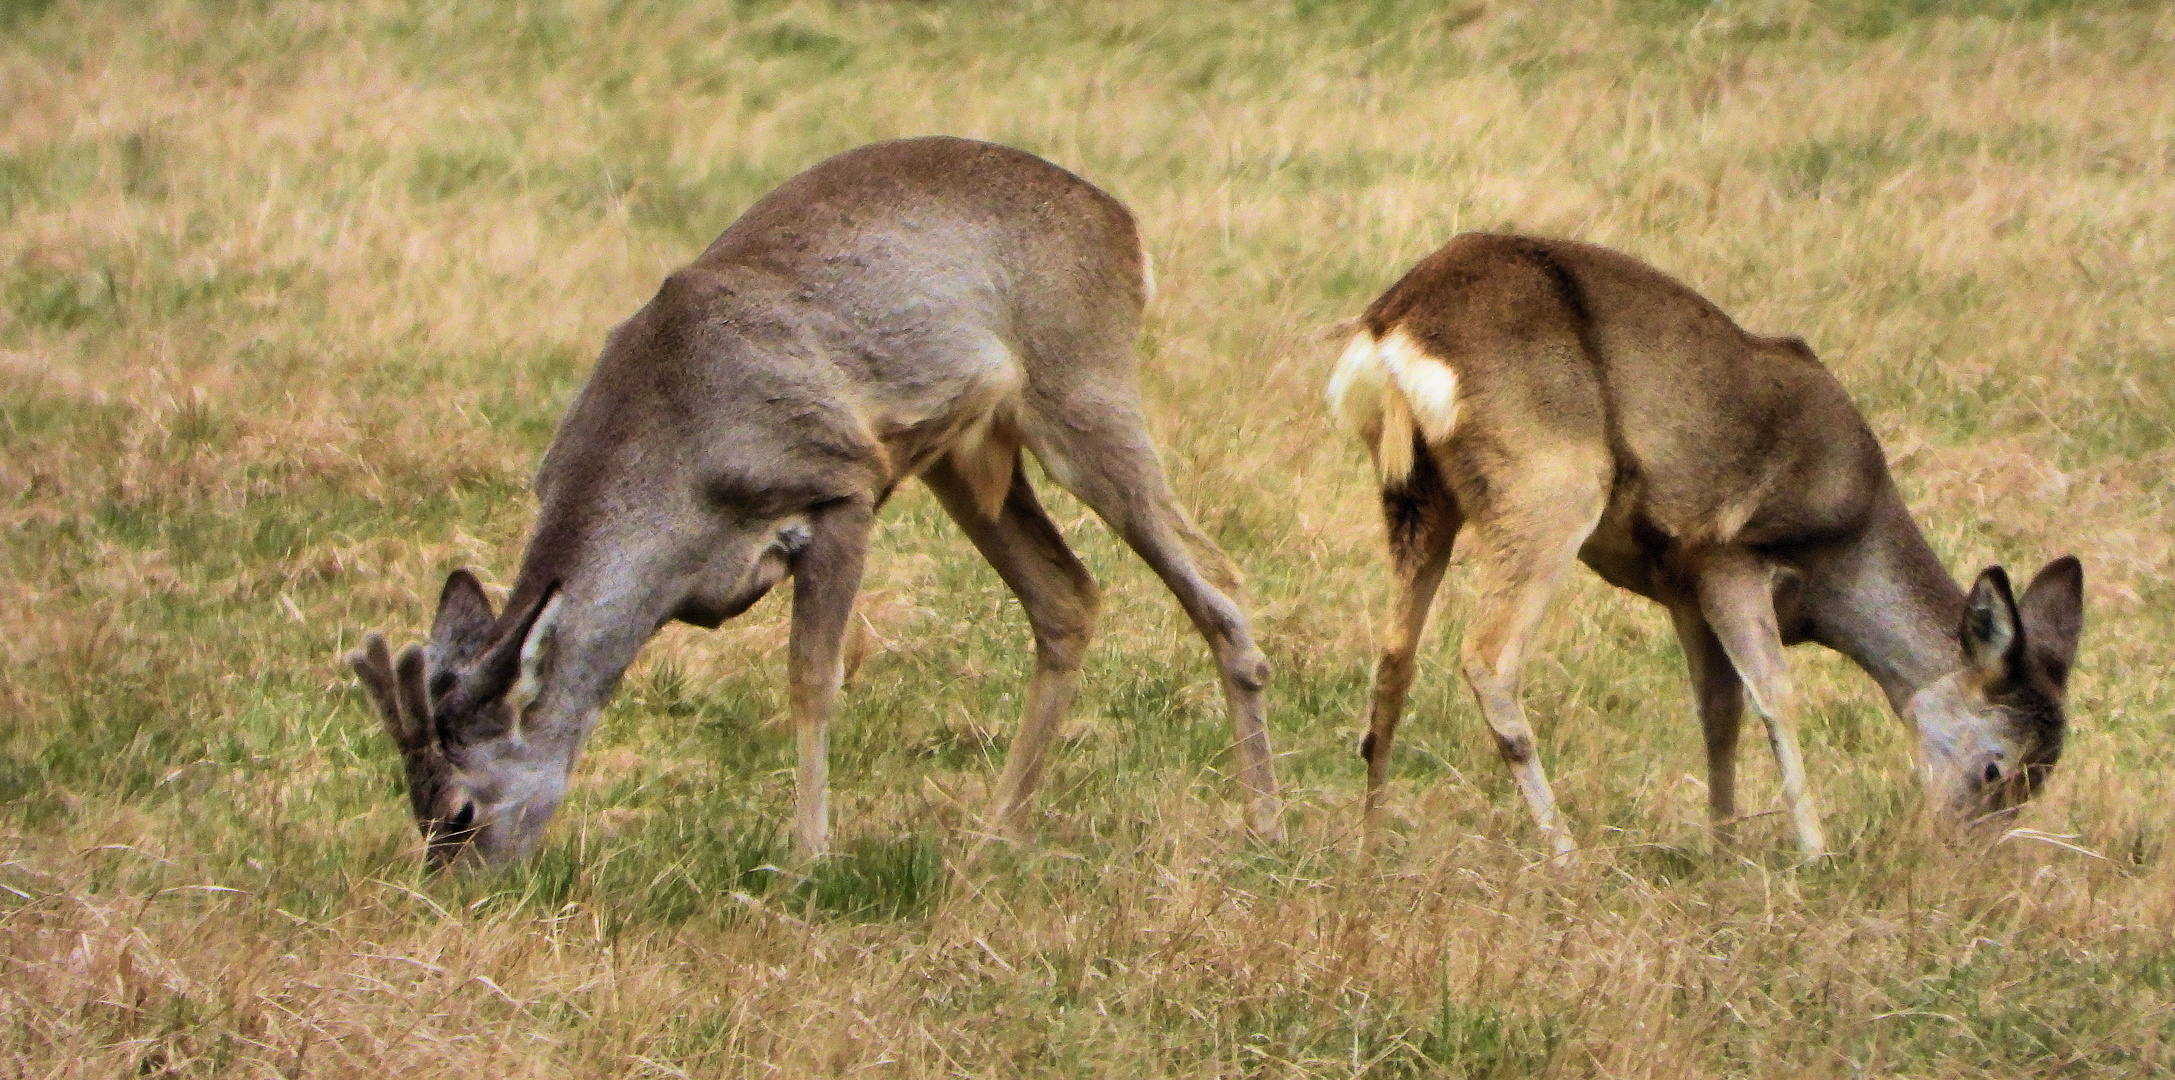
point(272, 363)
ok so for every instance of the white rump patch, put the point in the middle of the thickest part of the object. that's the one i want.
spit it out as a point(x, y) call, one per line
point(1385, 389)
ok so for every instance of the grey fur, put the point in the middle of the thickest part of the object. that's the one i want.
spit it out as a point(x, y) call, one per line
point(927, 307)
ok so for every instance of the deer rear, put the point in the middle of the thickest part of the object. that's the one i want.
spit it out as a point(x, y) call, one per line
point(1565, 403)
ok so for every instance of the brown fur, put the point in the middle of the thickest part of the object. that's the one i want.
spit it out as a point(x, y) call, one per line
point(1608, 414)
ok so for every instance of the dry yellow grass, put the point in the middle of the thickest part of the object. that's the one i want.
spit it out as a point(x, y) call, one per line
point(291, 294)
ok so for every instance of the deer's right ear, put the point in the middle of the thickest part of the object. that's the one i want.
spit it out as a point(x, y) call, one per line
point(538, 650)
point(2052, 609)
point(457, 705)
point(463, 625)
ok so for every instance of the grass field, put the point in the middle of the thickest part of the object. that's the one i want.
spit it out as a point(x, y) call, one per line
point(291, 296)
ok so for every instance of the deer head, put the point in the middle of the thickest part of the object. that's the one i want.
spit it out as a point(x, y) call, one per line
point(1990, 732)
point(456, 709)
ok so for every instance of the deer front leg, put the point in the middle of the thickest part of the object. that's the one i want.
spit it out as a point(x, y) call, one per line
point(1736, 597)
point(1720, 696)
point(826, 577)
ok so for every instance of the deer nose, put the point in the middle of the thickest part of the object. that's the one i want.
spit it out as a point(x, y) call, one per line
point(451, 836)
point(1993, 772)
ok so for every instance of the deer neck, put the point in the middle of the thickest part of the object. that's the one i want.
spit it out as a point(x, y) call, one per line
point(1885, 601)
point(603, 628)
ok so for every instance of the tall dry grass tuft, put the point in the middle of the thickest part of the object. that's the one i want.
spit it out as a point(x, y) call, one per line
point(292, 294)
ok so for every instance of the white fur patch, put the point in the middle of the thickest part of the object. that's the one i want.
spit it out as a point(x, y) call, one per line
point(1384, 389)
point(1430, 387)
point(1355, 387)
point(536, 656)
point(1370, 368)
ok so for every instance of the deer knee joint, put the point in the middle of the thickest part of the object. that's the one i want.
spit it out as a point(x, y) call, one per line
point(1395, 667)
point(1515, 746)
point(1366, 748)
point(1489, 684)
point(1063, 631)
point(1250, 672)
point(1064, 645)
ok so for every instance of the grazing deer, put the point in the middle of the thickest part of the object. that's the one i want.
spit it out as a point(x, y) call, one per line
point(1565, 402)
point(927, 307)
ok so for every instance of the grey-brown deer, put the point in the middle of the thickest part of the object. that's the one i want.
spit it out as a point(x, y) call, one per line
point(927, 307)
point(1563, 403)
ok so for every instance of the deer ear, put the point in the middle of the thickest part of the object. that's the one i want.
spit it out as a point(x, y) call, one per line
point(487, 678)
point(2053, 616)
point(1993, 638)
point(538, 650)
point(463, 624)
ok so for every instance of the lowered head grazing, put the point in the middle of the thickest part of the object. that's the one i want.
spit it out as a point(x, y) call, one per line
point(455, 708)
point(1991, 731)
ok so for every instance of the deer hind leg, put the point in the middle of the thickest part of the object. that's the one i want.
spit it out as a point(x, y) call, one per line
point(1106, 460)
point(826, 577)
point(1528, 540)
point(1422, 518)
point(1057, 595)
point(1736, 597)
point(1721, 701)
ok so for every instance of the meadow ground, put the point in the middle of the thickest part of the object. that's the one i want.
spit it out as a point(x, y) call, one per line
point(291, 296)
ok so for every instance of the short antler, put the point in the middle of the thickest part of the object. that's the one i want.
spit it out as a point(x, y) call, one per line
point(397, 691)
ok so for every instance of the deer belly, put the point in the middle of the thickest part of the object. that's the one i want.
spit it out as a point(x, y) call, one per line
point(973, 423)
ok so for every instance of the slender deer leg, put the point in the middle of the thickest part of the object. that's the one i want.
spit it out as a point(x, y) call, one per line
point(1423, 521)
point(1059, 599)
point(1527, 546)
point(826, 577)
point(1735, 595)
point(1107, 461)
point(1721, 702)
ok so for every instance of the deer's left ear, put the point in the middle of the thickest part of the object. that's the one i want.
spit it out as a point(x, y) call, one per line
point(1992, 635)
point(2052, 614)
point(462, 626)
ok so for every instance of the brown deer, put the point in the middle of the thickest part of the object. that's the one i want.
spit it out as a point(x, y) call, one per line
point(1566, 402)
point(927, 307)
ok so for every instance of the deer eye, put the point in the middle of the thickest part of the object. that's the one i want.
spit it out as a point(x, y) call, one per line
point(1993, 772)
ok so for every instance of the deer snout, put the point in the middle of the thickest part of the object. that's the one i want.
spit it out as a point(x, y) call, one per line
point(1985, 775)
point(2005, 784)
point(450, 836)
